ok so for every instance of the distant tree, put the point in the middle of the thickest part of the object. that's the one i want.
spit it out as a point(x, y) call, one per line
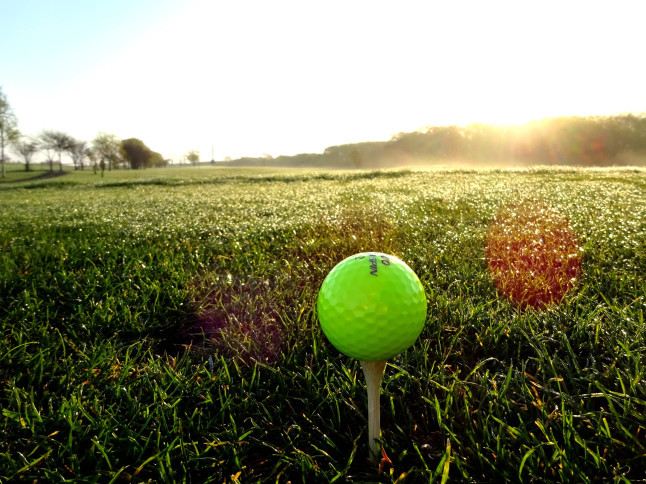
point(627, 133)
point(265, 158)
point(157, 160)
point(93, 158)
point(26, 147)
point(78, 152)
point(136, 153)
point(8, 127)
point(49, 156)
point(193, 157)
point(58, 141)
point(107, 150)
point(355, 156)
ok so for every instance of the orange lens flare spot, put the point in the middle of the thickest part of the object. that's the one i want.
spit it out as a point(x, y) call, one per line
point(533, 254)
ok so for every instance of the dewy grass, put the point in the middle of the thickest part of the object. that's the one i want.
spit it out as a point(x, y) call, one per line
point(100, 286)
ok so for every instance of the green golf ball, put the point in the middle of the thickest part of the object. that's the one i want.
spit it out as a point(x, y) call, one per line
point(372, 306)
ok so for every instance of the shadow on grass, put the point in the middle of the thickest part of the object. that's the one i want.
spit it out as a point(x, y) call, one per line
point(259, 314)
point(34, 176)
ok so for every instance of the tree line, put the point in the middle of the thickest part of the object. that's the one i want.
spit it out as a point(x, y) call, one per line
point(105, 151)
point(567, 140)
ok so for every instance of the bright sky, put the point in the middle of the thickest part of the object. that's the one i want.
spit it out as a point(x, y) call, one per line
point(285, 77)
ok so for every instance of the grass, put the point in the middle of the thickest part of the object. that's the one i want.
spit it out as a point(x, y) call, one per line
point(160, 326)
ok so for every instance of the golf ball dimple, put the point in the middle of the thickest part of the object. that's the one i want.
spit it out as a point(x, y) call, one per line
point(372, 306)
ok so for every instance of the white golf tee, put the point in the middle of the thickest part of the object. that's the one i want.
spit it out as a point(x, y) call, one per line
point(373, 372)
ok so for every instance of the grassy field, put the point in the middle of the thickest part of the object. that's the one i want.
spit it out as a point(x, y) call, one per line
point(110, 285)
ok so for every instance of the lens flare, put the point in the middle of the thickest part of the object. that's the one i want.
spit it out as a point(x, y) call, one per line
point(533, 254)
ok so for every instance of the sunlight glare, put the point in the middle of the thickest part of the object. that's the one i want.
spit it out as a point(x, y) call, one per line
point(250, 81)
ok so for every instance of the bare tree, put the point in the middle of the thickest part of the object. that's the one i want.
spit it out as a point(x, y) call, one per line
point(49, 156)
point(193, 157)
point(106, 147)
point(27, 148)
point(93, 158)
point(58, 141)
point(8, 127)
point(78, 153)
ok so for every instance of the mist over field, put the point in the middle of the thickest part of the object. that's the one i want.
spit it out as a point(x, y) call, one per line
point(572, 141)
